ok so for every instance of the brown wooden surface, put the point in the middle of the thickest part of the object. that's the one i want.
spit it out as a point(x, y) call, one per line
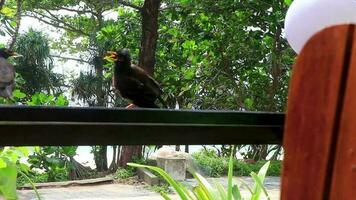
point(313, 115)
point(344, 173)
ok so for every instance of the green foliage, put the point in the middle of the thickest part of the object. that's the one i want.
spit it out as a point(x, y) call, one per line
point(47, 100)
point(211, 164)
point(129, 171)
point(7, 18)
point(160, 188)
point(36, 65)
point(214, 166)
point(35, 177)
point(123, 173)
point(224, 55)
point(10, 167)
point(206, 191)
point(55, 161)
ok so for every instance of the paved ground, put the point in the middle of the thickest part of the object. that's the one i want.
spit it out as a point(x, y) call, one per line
point(126, 192)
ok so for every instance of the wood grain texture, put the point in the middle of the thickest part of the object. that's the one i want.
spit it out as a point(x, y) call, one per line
point(313, 115)
point(344, 173)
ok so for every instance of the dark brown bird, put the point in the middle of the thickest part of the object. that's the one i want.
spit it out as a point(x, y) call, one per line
point(133, 82)
point(7, 73)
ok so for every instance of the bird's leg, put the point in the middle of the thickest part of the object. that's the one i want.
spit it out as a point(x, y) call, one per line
point(131, 106)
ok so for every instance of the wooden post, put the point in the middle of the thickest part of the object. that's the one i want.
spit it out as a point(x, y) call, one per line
point(344, 172)
point(318, 128)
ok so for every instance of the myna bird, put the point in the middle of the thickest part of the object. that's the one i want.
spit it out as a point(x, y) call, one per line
point(7, 73)
point(133, 82)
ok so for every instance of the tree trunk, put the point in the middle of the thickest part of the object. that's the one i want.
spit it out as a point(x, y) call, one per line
point(101, 155)
point(118, 155)
point(128, 154)
point(100, 158)
point(177, 147)
point(186, 149)
point(18, 23)
point(113, 165)
point(149, 14)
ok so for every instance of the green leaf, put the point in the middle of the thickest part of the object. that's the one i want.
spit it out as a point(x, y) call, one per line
point(2, 163)
point(257, 189)
point(8, 11)
point(165, 196)
point(8, 176)
point(189, 74)
point(205, 186)
point(260, 185)
point(221, 189)
point(246, 186)
point(230, 174)
point(23, 150)
point(24, 168)
point(248, 103)
point(61, 101)
point(69, 151)
point(13, 23)
point(236, 193)
point(200, 193)
point(18, 94)
point(288, 2)
point(185, 2)
point(176, 186)
point(37, 149)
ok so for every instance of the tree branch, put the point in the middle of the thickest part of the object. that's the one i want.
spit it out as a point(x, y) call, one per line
point(42, 19)
point(125, 3)
point(55, 18)
point(18, 23)
point(74, 10)
point(69, 58)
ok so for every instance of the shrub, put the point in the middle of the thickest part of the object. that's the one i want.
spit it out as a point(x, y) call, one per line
point(34, 177)
point(123, 173)
point(210, 164)
point(215, 166)
point(164, 188)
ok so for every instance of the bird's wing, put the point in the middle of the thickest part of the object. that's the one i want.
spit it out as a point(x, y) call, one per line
point(7, 71)
point(134, 89)
point(155, 85)
point(150, 83)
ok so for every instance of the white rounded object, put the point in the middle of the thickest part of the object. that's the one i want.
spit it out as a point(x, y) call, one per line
point(307, 17)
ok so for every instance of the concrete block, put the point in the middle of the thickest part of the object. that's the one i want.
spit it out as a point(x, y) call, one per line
point(174, 166)
point(147, 176)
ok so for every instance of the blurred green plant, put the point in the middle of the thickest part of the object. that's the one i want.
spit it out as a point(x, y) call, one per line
point(213, 165)
point(55, 161)
point(123, 173)
point(164, 188)
point(35, 177)
point(210, 163)
point(10, 167)
point(207, 191)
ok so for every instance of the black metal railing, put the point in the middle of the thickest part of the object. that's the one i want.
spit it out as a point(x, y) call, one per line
point(22, 125)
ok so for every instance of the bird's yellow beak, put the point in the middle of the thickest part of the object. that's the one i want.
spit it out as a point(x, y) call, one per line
point(111, 56)
point(16, 55)
point(13, 54)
